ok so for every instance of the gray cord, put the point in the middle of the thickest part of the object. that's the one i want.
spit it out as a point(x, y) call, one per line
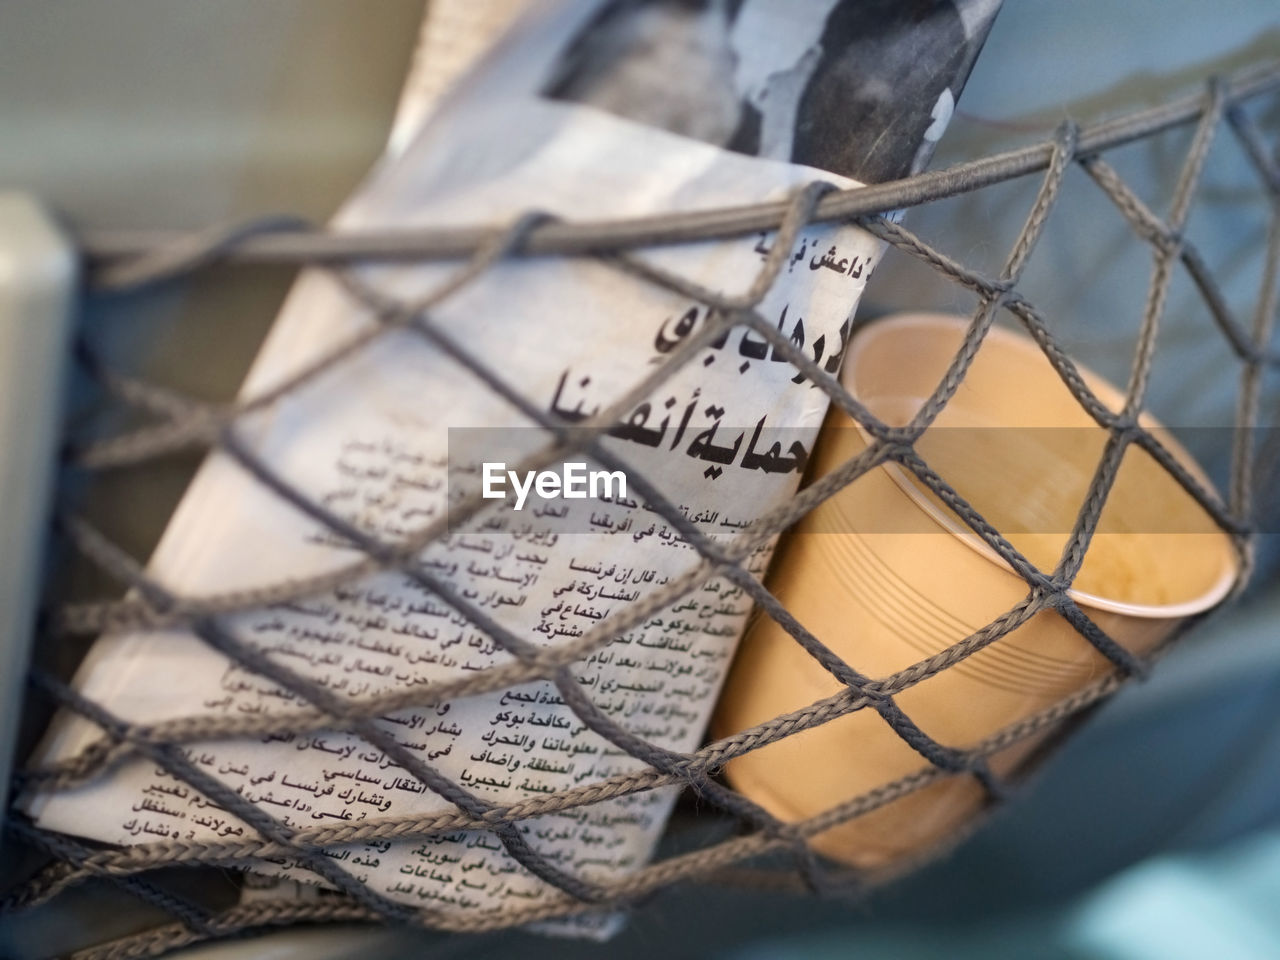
point(127, 261)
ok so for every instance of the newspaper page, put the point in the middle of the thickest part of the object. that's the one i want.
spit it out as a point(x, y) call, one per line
point(454, 35)
point(565, 116)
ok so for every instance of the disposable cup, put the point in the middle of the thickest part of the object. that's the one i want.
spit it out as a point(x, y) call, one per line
point(887, 576)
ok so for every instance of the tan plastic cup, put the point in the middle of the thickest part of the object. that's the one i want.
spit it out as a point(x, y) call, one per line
point(886, 576)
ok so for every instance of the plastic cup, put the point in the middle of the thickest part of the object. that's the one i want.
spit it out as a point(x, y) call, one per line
point(886, 576)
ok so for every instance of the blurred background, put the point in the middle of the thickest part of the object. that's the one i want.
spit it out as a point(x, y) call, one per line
point(1155, 833)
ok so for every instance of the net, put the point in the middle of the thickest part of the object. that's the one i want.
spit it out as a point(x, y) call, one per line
point(178, 422)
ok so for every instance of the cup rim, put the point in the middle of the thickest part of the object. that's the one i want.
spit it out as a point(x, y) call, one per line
point(1107, 393)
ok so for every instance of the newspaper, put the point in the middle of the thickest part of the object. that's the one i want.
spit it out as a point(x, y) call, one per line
point(454, 35)
point(552, 120)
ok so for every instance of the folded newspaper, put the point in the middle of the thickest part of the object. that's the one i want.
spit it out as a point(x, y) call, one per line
point(585, 110)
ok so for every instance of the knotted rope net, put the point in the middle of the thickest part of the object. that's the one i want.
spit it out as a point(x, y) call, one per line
point(183, 423)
